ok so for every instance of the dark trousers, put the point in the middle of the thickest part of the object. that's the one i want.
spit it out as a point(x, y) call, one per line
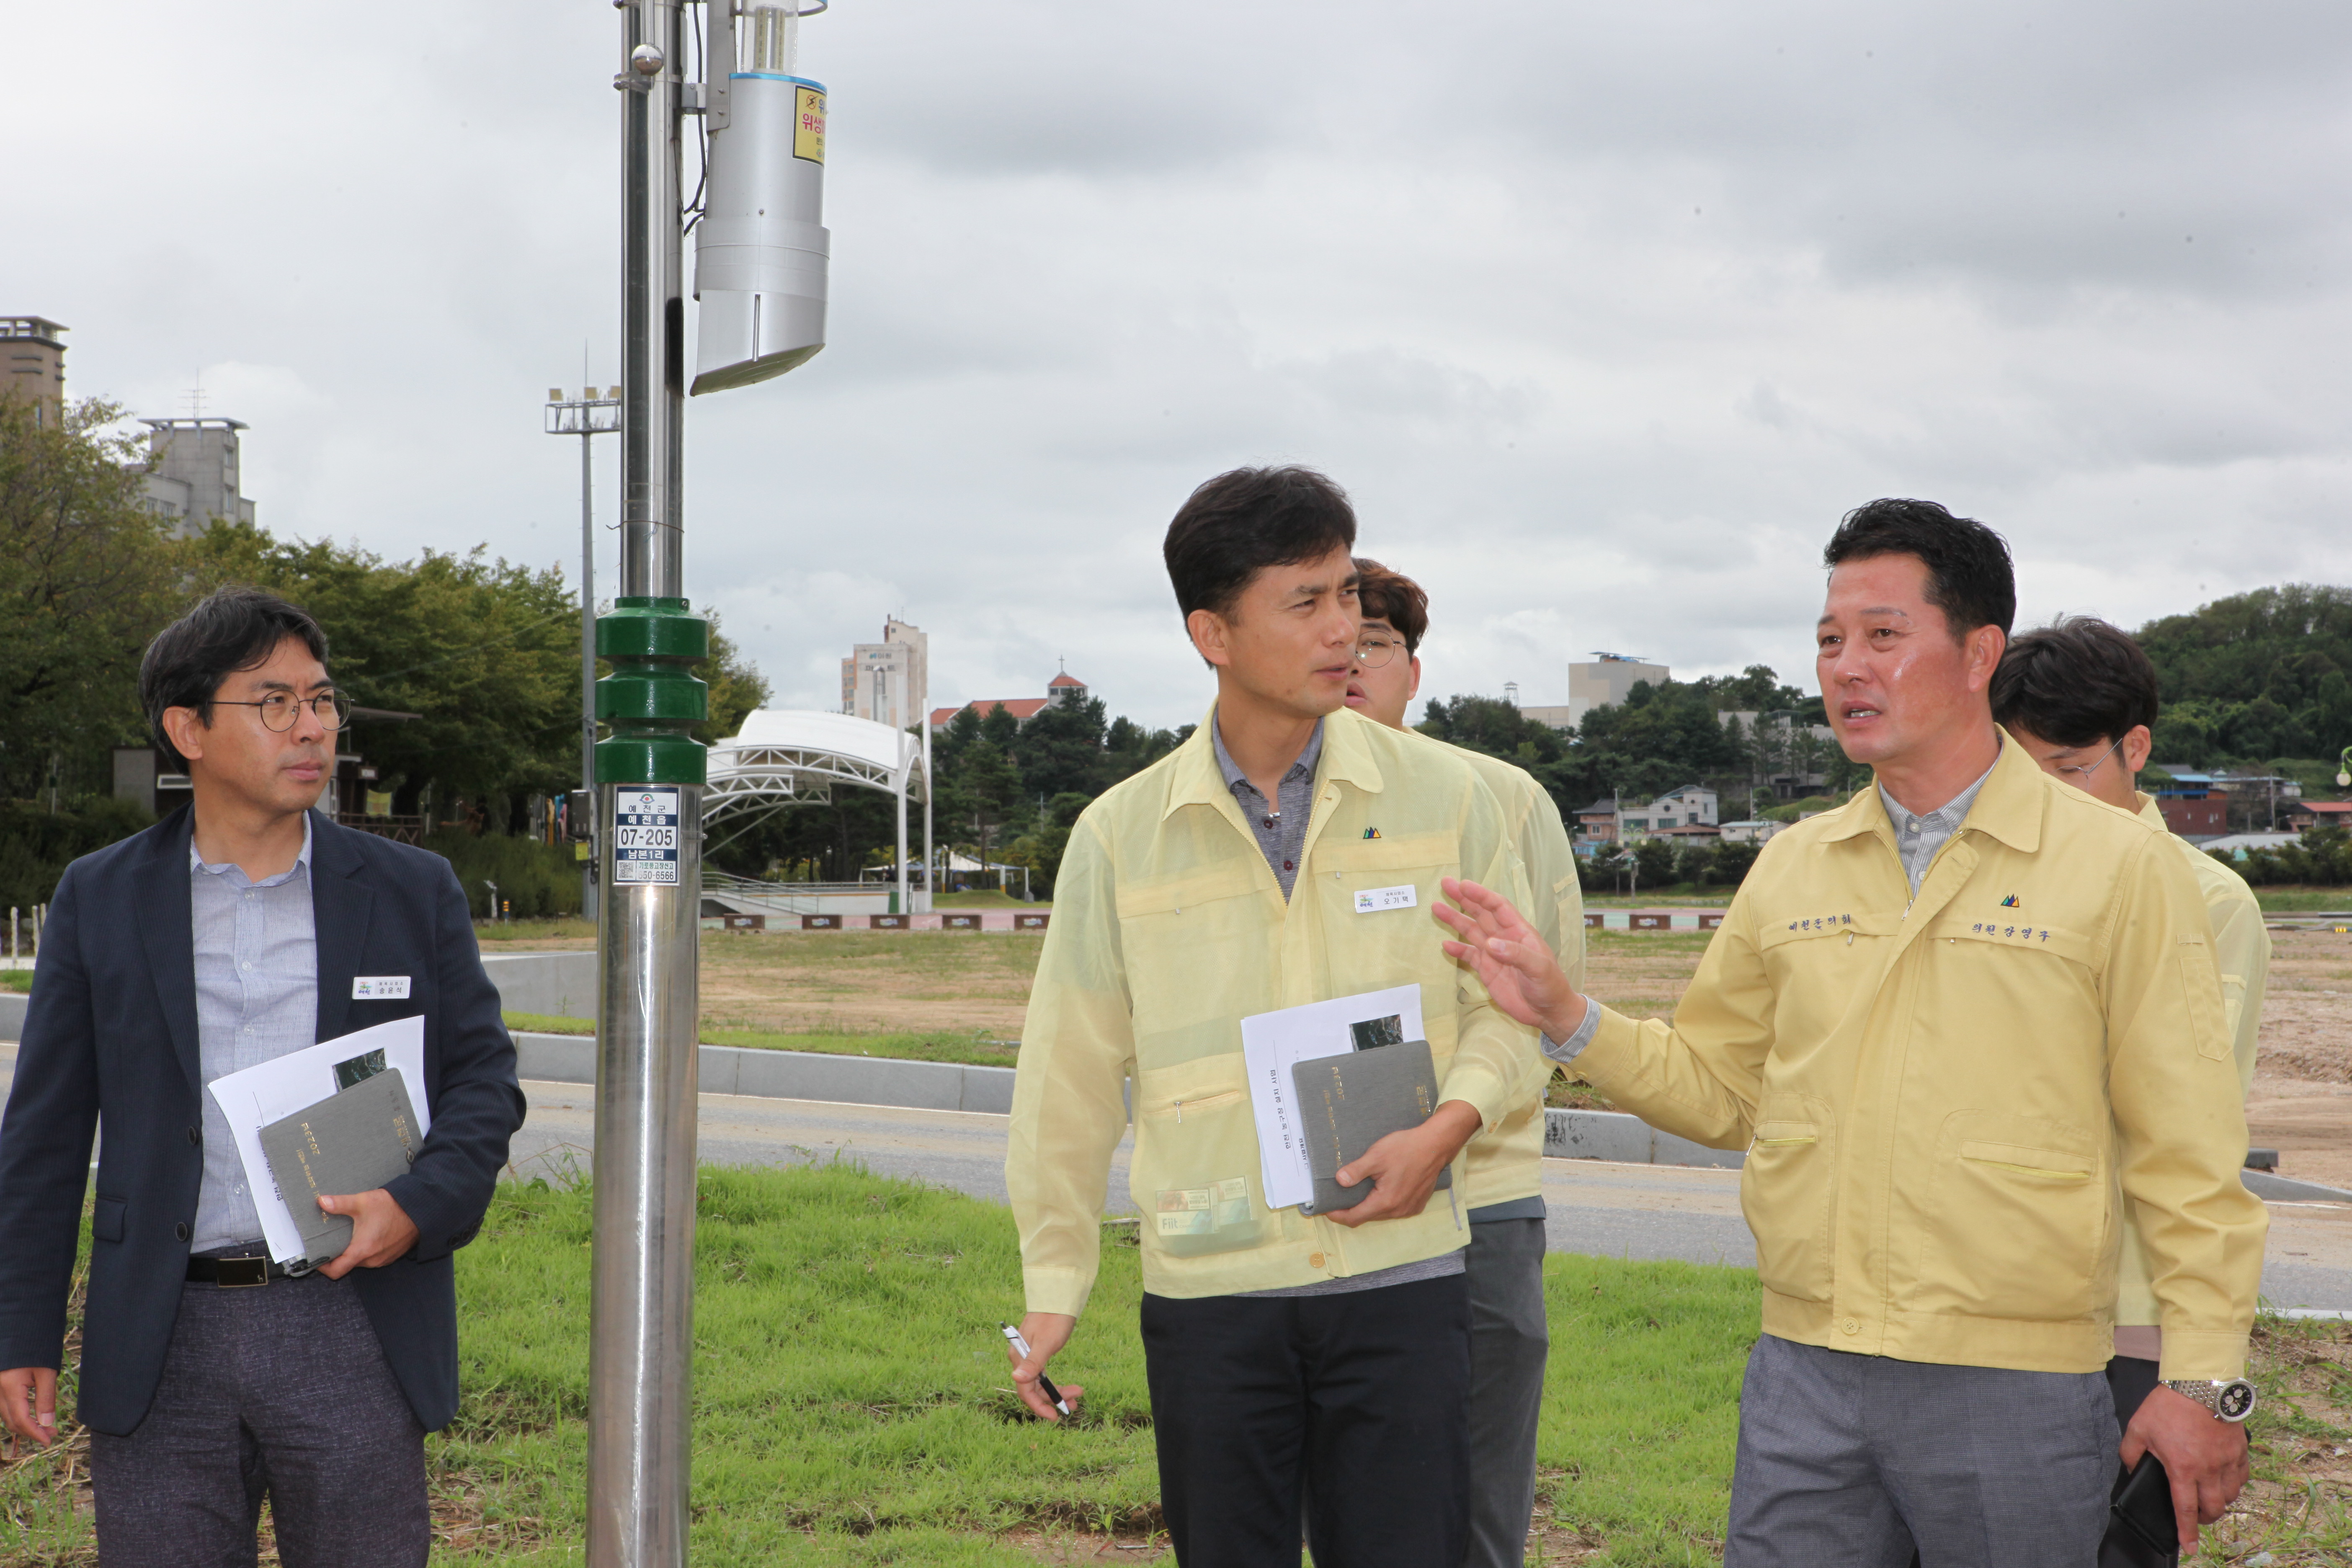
point(2131, 1380)
point(1354, 1402)
point(1508, 1341)
point(279, 1390)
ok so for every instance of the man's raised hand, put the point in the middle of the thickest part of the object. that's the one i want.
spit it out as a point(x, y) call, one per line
point(1509, 959)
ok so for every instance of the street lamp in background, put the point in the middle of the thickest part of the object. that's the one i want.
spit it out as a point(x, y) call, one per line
point(587, 416)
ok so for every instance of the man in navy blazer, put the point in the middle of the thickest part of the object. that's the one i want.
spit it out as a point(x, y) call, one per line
point(232, 931)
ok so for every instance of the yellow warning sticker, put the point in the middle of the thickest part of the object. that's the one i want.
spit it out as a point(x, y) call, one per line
point(808, 124)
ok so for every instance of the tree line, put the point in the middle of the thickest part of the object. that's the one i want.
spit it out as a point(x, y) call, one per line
point(484, 651)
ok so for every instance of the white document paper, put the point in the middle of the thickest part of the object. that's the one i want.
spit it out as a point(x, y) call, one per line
point(1274, 1043)
point(259, 1096)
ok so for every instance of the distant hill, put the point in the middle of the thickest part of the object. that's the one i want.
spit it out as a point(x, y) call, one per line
point(2257, 677)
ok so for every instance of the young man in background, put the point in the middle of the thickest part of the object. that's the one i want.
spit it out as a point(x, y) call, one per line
point(2081, 698)
point(1508, 1338)
point(1287, 1355)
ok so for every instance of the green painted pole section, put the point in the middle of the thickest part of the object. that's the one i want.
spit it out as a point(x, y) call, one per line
point(652, 697)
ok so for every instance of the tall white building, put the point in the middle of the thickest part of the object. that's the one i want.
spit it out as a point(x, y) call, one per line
point(888, 681)
point(1603, 681)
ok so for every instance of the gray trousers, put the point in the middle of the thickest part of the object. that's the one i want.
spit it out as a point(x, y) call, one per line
point(1848, 1461)
point(280, 1389)
point(1508, 1340)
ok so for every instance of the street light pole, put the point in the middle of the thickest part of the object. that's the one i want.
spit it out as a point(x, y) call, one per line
point(762, 256)
point(586, 417)
point(649, 776)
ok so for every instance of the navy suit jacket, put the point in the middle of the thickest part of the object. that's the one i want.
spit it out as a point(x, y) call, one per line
point(110, 1042)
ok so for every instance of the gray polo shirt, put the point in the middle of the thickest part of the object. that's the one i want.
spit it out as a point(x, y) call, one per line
point(1279, 825)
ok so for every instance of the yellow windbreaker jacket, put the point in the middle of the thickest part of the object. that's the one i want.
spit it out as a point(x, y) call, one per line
point(1948, 1100)
point(1506, 1160)
point(2242, 948)
point(1169, 929)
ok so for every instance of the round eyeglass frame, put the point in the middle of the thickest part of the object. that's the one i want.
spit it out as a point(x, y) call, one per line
point(1376, 651)
point(332, 717)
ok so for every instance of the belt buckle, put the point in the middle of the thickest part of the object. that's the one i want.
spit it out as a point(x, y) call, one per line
point(242, 1273)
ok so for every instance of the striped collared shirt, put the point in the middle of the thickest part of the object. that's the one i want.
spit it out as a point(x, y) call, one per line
point(257, 999)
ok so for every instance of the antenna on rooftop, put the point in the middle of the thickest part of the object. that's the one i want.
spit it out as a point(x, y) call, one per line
point(195, 398)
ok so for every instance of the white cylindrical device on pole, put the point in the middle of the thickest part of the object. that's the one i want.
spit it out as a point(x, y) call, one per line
point(760, 249)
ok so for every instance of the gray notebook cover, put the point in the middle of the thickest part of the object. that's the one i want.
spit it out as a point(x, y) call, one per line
point(352, 1141)
point(1347, 1103)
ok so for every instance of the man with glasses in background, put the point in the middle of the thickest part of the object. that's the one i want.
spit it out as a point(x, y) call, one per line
point(1508, 1338)
point(242, 928)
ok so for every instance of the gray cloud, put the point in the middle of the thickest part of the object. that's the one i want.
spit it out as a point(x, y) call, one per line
point(1603, 315)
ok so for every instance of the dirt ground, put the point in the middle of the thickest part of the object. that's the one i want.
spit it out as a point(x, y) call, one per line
point(2301, 1099)
point(851, 981)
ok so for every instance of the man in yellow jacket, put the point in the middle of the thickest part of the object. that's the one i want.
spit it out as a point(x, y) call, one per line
point(1958, 1023)
point(1509, 1337)
point(2082, 698)
point(1283, 856)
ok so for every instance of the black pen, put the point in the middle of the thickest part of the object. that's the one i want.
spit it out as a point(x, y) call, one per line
point(1044, 1382)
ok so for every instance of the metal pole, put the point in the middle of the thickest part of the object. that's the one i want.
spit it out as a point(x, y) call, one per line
point(651, 771)
point(588, 648)
point(931, 873)
point(902, 904)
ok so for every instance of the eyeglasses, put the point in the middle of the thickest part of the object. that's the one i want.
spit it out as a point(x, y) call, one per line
point(279, 709)
point(1374, 649)
point(2084, 772)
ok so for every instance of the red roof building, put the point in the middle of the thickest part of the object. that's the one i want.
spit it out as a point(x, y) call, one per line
point(1063, 687)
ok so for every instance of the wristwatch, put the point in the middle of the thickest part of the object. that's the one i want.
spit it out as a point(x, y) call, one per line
point(2229, 1401)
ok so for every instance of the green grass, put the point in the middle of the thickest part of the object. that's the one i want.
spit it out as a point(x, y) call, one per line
point(851, 1385)
point(851, 1401)
point(570, 928)
point(17, 980)
point(2303, 901)
point(988, 899)
point(972, 1047)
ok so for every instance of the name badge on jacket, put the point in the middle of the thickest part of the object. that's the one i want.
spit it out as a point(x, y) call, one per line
point(1372, 901)
point(380, 988)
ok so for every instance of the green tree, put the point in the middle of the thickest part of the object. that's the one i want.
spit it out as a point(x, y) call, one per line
point(487, 653)
point(1060, 751)
point(87, 576)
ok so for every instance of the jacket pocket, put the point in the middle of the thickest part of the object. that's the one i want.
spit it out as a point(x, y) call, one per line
point(1196, 1176)
point(2017, 1224)
point(106, 1219)
point(1788, 1190)
point(2200, 998)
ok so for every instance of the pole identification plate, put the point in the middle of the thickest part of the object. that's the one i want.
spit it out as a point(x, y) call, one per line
point(645, 835)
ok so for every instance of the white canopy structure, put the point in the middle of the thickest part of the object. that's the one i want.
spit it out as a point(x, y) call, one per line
point(790, 756)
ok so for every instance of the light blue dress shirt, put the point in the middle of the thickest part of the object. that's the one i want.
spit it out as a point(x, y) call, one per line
point(257, 999)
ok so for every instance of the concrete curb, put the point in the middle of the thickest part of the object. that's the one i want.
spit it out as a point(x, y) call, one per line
point(12, 1014)
point(1627, 1139)
point(795, 1075)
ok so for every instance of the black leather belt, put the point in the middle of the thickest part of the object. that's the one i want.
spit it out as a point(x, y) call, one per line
point(230, 1273)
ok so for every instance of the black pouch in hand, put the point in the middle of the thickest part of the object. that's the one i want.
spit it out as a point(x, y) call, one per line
point(2141, 1532)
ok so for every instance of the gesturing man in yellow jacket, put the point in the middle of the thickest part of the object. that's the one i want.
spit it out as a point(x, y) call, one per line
point(1281, 856)
point(1958, 1025)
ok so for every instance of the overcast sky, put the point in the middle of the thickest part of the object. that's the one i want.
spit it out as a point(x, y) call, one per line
point(1603, 314)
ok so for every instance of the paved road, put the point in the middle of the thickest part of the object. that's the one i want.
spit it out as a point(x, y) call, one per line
point(1614, 1211)
point(1607, 1210)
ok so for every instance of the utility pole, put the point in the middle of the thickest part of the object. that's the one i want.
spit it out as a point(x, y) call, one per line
point(586, 417)
point(761, 274)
